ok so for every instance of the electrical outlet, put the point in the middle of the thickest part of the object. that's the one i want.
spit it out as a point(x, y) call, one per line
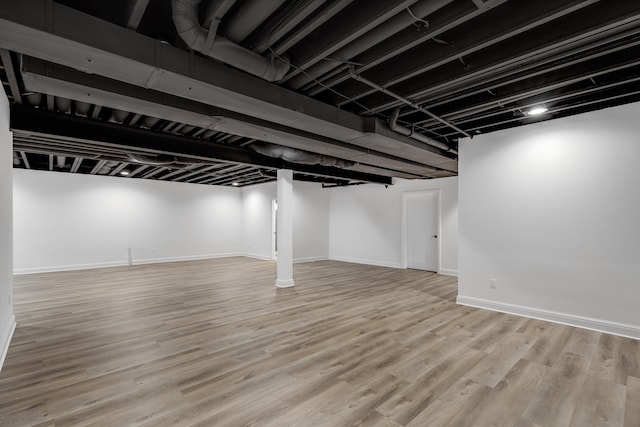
point(492, 283)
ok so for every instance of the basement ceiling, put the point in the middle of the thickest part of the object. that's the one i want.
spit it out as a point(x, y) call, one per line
point(225, 92)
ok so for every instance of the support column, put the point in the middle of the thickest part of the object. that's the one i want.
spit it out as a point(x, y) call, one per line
point(285, 229)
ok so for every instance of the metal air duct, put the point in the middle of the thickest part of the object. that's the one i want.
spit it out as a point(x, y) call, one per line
point(299, 156)
point(185, 18)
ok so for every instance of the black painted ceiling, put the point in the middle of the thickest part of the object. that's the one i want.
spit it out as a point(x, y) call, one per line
point(453, 68)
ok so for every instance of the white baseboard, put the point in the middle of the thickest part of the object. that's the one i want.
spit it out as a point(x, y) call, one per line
point(139, 261)
point(257, 256)
point(54, 268)
point(367, 261)
point(185, 258)
point(310, 259)
point(447, 272)
point(599, 325)
point(6, 340)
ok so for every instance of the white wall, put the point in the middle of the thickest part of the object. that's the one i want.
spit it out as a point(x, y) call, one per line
point(310, 220)
point(7, 320)
point(257, 217)
point(65, 221)
point(366, 222)
point(552, 212)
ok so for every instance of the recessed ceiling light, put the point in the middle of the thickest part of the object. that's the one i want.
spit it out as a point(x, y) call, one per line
point(536, 111)
point(235, 184)
point(124, 173)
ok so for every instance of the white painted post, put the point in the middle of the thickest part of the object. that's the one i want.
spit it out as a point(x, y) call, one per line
point(285, 229)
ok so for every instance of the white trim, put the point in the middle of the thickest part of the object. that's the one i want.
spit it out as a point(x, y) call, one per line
point(257, 256)
point(404, 253)
point(309, 259)
point(185, 258)
point(599, 325)
point(367, 261)
point(448, 272)
point(141, 261)
point(5, 344)
point(55, 268)
point(284, 283)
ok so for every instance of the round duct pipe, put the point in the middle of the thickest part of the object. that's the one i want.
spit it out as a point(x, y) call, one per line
point(34, 98)
point(118, 116)
point(63, 104)
point(294, 155)
point(185, 18)
point(82, 108)
point(159, 160)
point(149, 122)
point(60, 161)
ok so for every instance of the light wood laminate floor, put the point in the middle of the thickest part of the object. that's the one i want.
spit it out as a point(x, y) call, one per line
point(213, 343)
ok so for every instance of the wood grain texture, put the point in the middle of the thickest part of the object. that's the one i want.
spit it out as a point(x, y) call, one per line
point(214, 343)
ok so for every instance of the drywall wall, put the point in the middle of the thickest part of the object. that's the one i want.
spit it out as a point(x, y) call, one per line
point(310, 220)
point(366, 222)
point(66, 221)
point(551, 212)
point(257, 218)
point(7, 319)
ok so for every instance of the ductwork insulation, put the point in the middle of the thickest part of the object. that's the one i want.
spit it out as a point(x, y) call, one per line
point(299, 156)
point(185, 18)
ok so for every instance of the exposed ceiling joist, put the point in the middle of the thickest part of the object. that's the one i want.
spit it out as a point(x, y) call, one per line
point(42, 122)
point(135, 12)
point(7, 64)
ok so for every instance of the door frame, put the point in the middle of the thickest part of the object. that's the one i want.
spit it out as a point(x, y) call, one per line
point(405, 213)
point(274, 225)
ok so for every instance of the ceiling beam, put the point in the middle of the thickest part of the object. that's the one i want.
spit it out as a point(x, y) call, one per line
point(76, 164)
point(307, 26)
point(135, 12)
point(278, 25)
point(354, 21)
point(25, 160)
point(451, 16)
point(577, 29)
point(586, 52)
point(130, 58)
point(372, 148)
point(7, 63)
point(488, 29)
point(42, 122)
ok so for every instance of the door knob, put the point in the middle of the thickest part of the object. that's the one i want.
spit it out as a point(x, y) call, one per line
point(435, 236)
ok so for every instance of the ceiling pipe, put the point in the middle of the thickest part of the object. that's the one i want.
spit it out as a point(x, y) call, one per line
point(63, 104)
point(82, 108)
point(294, 155)
point(60, 161)
point(34, 98)
point(118, 116)
point(185, 18)
point(417, 107)
point(394, 126)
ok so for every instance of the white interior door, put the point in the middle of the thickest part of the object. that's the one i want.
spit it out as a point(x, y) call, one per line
point(422, 231)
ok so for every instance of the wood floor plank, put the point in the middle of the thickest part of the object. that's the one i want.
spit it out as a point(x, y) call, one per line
point(212, 342)
point(632, 406)
point(597, 404)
